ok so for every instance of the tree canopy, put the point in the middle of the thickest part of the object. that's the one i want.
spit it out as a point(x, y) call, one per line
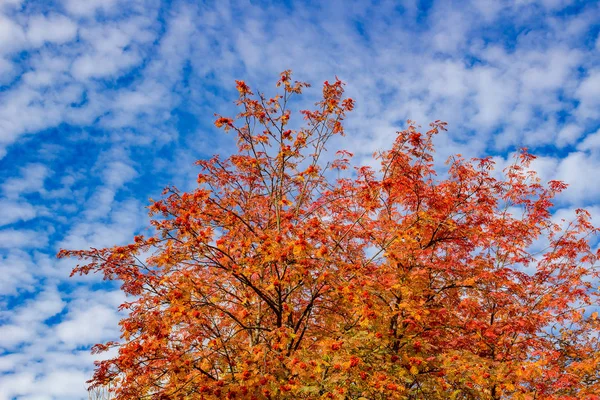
point(278, 278)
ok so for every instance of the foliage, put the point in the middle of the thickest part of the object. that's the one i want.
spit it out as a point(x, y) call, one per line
point(273, 280)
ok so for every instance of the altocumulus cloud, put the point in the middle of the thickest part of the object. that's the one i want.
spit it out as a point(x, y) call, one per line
point(104, 102)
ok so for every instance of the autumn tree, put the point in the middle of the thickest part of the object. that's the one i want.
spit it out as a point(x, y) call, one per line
point(278, 278)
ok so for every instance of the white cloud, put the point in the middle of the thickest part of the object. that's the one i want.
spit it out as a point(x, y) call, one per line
point(7, 71)
point(101, 65)
point(55, 78)
point(554, 4)
point(449, 32)
point(12, 36)
point(448, 79)
point(569, 134)
point(54, 28)
point(18, 272)
point(50, 62)
point(123, 221)
point(47, 362)
point(28, 239)
point(109, 53)
point(545, 167)
point(566, 215)
point(591, 142)
point(91, 319)
point(23, 109)
point(136, 100)
point(38, 78)
point(489, 9)
point(26, 321)
point(6, 3)
point(494, 98)
point(46, 304)
point(31, 180)
point(12, 335)
point(578, 170)
point(117, 173)
point(575, 169)
point(588, 93)
point(13, 211)
point(13, 385)
point(8, 362)
point(66, 384)
point(88, 326)
point(547, 70)
point(89, 7)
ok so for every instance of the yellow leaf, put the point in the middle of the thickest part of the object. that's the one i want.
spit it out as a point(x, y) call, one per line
point(297, 250)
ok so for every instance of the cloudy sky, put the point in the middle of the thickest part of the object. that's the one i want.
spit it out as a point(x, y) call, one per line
point(104, 102)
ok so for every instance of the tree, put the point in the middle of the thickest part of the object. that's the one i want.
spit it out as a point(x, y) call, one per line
point(274, 280)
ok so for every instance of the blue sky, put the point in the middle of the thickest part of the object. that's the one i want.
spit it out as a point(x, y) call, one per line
point(104, 102)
